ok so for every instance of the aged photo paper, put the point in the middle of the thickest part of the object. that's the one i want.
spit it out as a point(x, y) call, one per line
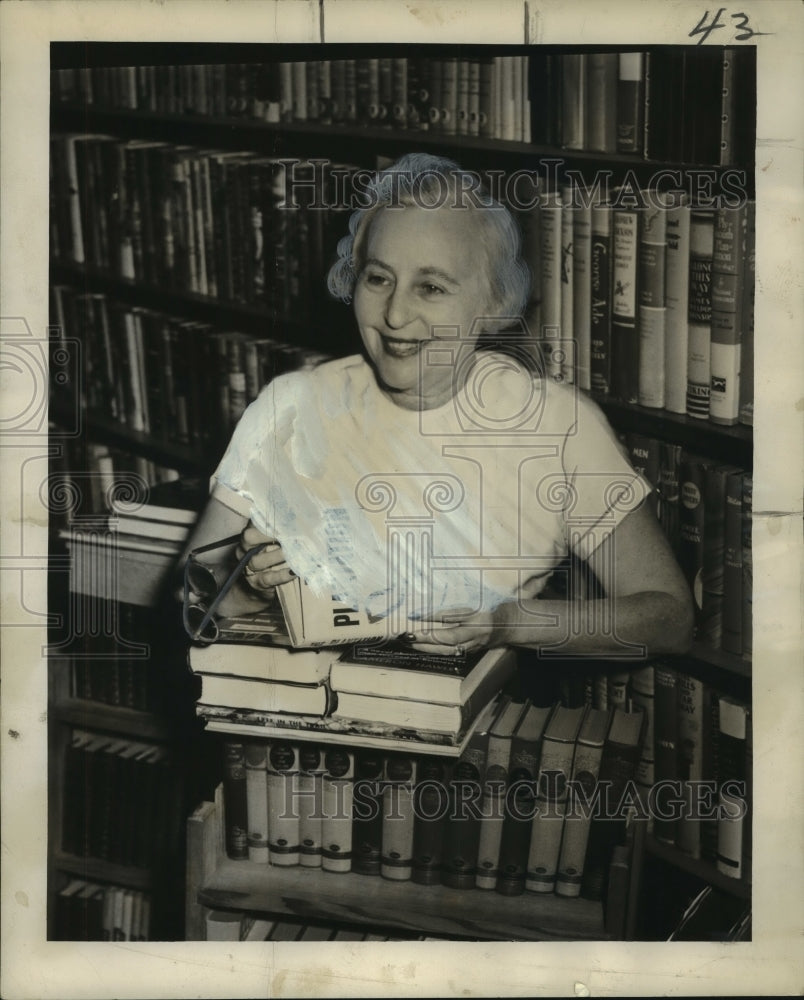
point(772, 962)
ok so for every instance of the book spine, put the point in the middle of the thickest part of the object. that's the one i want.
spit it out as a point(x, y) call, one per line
point(643, 700)
point(572, 856)
point(602, 86)
point(630, 103)
point(474, 97)
point(700, 314)
point(550, 258)
point(430, 809)
point(747, 619)
point(507, 99)
point(600, 326)
point(691, 722)
point(573, 100)
point(652, 307)
point(691, 528)
point(283, 817)
point(582, 295)
point(677, 284)
point(257, 800)
point(548, 823)
point(399, 87)
point(728, 291)
point(462, 834)
point(235, 800)
point(310, 805)
point(732, 639)
point(567, 347)
point(711, 627)
point(746, 402)
point(732, 804)
point(367, 822)
point(449, 96)
point(462, 124)
point(666, 722)
point(338, 793)
point(397, 817)
point(493, 812)
point(625, 298)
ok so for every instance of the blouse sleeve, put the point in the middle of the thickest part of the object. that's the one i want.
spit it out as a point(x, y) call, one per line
point(602, 487)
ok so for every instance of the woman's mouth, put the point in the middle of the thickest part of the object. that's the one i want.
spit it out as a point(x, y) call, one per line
point(401, 348)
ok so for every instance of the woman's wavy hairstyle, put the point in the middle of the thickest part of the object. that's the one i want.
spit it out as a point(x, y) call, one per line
point(429, 181)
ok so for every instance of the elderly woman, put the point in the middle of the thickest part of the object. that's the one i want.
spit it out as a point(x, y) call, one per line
point(434, 480)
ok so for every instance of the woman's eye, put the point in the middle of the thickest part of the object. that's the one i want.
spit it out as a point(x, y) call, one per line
point(429, 289)
point(378, 280)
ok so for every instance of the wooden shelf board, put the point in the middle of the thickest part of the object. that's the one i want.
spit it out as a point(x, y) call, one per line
point(374, 901)
point(111, 718)
point(695, 866)
point(96, 869)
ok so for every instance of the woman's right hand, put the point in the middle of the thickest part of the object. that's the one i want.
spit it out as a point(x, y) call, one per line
point(267, 569)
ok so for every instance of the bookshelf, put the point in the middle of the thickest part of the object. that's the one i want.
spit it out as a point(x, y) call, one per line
point(327, 327)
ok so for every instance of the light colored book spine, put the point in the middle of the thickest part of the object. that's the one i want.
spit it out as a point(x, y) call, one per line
point(700, 314)
point(398, 817)
point(337, 795)
point(652, 308)
point(728, 314)
point(732, 792)
point(309, 804)
point(256, 752)
point(283, 817)
point(582, 294)
point(677, 284)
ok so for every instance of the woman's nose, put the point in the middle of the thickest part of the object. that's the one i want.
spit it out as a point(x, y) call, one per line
point(398, 312)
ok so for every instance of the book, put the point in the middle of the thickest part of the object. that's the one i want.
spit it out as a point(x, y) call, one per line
point(309, 795)
point(256, 761)
point(732, 795)
point(550, 329)
point(235, 798)
point(666, 748)
point(282, 768)
point(746, 399)
point(621, 753)
point(367, 812)
point(406, 673)
point(337, 800)
point(601, 302)
point(555, 768)
point(573, 100)
point(700, 313)
point(495, 783)
point(565, 362)
point(462, 832)
point(605, 90)
point(728, 290)
point(430, 811)
point(690, 702)
point(690, 552)
point(577, 821)
point(314, 620)
point(582, 294)
point(263, 663)
point(625, 299)
point(677, 284)
point(520, 800)
point(732, 636)
point(630, 102)
point(710, 631)
point(399, 774)
point(643, 700)
point(652, 310)
point(747, 620)
point(264, 696)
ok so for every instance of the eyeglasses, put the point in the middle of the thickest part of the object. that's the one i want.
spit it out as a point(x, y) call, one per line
point(198, 618)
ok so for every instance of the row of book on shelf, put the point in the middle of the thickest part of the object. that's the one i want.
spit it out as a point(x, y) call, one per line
point(119, 799)
point(645, 295)
point(90, 911)
point(687, 105)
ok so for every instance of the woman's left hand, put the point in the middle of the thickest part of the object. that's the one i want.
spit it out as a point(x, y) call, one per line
point(467, 633)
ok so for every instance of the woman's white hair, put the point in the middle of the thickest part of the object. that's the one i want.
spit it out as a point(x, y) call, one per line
point(429, 181)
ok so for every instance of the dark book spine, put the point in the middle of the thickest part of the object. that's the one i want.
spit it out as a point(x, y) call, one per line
point(666, 748)
point(462, 834)
point(234, 791)
point(430, 807)
point(602, 84)
point(748, 568)
point(711, 629)
point(746, 401)
point(732, 641)
point(625, 298)
point(700, 314)
point(601, 300)
point(691, 528)
point(630, 103)
point(652, 312)
point(367, 818)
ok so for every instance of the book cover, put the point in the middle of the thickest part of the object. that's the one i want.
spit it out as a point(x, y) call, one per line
point(690, 550)
point(263, 663)
point(235, 800)
point(573, 100)
point(625, 302)
point(309, 797)
point(582, 294)
point(314, 620)
point(732, 793)
point(643, 700)
point(282, 770)
point(555, 769)
point(550, 256)
point(605, 88)
point(711, 626)
point(495, 783)
point(677, 284)
point(692, 726)
point(666, 746)
point(264, 696)
point(577, 821)
point(396, 859)
point(700, 313)
point(746, 408)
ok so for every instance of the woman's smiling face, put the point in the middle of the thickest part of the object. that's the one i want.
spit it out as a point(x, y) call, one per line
point(424, 280)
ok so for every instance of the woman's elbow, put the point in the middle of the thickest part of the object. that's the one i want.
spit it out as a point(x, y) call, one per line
point(678, 624)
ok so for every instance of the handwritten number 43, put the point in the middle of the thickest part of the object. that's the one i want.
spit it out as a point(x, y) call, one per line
point(742, 27)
